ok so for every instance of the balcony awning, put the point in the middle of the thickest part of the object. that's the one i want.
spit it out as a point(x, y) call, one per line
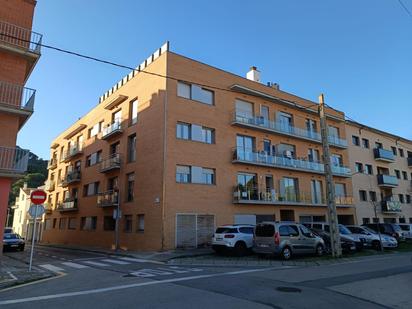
point(75, 131)
point(115, 101)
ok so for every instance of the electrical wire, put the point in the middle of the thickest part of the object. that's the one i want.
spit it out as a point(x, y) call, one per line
point(405, 8)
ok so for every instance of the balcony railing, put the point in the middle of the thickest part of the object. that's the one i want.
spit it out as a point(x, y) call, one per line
point(387, 180)
point(20, 37)
point(275, 126)
point(50, 185)
point(391, 206)
point(16, 96)
point(409, 161)
point(261, 158)
point(111, 163)
point(255, 196)
point(108, 198)
point(52, 164)
point(13, 160)
point(113, 129)
point(381, 154)
point(68, 205)
point(74, 150)
point(48, 208)
point(71, 177)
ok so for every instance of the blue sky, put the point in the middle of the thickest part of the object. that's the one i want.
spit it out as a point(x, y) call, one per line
point(357, 52)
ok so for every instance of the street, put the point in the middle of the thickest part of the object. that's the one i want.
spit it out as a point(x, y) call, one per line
point(86, 279)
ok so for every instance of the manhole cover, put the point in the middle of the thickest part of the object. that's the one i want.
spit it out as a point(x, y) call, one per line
point(288, 289)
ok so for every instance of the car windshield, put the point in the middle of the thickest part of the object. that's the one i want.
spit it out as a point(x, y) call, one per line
point(11, 236)
point(396, 228)
point(223, 230)
point(369, 230)
point(405, 227)
point(265, 230)
point(344, 230)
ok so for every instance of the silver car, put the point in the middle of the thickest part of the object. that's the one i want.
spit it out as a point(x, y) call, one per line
point(372, 238)
point(286, 239)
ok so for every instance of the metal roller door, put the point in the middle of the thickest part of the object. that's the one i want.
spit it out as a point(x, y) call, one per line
point(194, 230)
point(205, 230)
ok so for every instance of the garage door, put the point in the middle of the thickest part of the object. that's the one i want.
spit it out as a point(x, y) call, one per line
point(205, 230)
point(194, 230)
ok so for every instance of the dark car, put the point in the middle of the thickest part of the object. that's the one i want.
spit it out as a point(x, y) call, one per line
point(390, 229)
point(13, 241)
point(347, 245)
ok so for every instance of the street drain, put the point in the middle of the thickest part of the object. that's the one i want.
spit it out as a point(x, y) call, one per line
point(288, 289)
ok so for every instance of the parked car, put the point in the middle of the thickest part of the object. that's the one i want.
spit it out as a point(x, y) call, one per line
point(347, 245)
point(237, 238)
point(13, 241)
point(286, 239)
point(372, 238)
point(407, 230)
point(344, 233)
point(390, 229)
point(8, 230)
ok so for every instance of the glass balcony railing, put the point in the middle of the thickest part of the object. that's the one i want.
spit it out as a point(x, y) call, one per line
point(16, 96)
point(20, 37)
point(113, 129)
point(383, 155)
point(69, 204)
point(286, 129)
point(13, 160)
point(387, 180)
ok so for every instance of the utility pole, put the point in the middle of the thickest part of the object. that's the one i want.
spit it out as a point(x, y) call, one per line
point(330, 188)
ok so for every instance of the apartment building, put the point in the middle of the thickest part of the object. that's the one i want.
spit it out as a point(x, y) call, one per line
point(382, 165)
point(183, 154)
point(19, 53)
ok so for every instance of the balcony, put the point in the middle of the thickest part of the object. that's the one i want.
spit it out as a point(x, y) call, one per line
point(409, 161)
point(261, 123)
point(71, 177)
point(67, 205)
point(17, 100)
point(48, 208)
point(52, 164)
point(50, 185)
point(255, 196)
point(388, 181)
point(108, 199)
point(13, 161)
point(112, 130)
point(111, 163)
point(263, 159)
point(391, 206)
point(21, 41)
point(384, 155)
point(73, 152)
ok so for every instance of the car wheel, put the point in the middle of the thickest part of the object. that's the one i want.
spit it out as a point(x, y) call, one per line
point(376, 245)
point(319, 250)
point(240, 248)
point(286, 253)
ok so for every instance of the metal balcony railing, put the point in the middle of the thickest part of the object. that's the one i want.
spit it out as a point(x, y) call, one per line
point(13, 160)
point(72, 176)
point(391, 206)
point(69, 204)
point(52, 164)
point(111, 163)
point(112, 129)
point(20, 37)
point(16, 96)
point(108, 198)
point(74, 150)
point(50, 185)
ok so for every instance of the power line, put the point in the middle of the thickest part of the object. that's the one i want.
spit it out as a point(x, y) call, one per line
point(405, 8)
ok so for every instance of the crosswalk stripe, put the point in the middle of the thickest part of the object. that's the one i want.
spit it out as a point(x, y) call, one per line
point(75, 265)
point(95, 263)
point(135, 260)
point(51, 267)
point(115, 261)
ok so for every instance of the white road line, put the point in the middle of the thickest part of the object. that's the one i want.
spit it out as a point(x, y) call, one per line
point(51, 267)
point(115, 261)
point(128, 286)
point(135, 260)
point(95, 263)
point(75, 265)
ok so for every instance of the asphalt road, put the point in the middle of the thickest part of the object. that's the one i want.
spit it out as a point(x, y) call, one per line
point(89, 279)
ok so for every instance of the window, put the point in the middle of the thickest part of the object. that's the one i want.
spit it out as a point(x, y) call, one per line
point(133, 111)
point(365, 143)
point(405, 175)
point(140, 223)
point(394, 151)
point(365, 220)
point(208, 176)
point(398, 174)
point(369, 169)
point(208, 135)
point(362, 195)
point(88, 223)
point(408, 198)
point(182, 174)
point(54, 222)
point(94, 158)
point(72, 223)
point(195, 93)
point(333, 132)
point(401, 153)
point(311, 126)
point(130, 187)
point(313, 155)
point(62, 223)
point(372, 196)
point(378, 145)
point(183, 130)
point(336, 159)
point(316, 191)
point(246, 230)
point(131, 148)
point(401, 198)
point(355, 140)
point(289, 189)
point(340, 190)
point(359, 167)
point(128, 223)
point(285, 121)
point(244, 110)
point(93, 131)
point(47, 224)
point(91, 189)
point(109, 224)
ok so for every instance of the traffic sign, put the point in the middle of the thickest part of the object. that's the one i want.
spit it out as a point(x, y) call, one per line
point(36, 211)
point(38, 197)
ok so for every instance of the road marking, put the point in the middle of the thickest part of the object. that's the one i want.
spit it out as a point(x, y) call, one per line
point(95, 263)
point(115, 261)
point(140, 260)
point(134, 285)
point(75, 265)
point(162, 271)
point(54, 257)
point(51, 267)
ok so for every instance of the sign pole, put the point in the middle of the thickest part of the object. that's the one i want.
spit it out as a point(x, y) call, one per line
point(33, 237)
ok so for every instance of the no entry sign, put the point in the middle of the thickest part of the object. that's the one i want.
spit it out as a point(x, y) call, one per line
point(38, 197)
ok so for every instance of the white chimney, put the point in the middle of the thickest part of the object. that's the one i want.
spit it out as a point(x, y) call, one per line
point(253, 74)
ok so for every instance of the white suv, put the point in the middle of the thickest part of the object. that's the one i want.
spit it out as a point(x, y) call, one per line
point(237, 238)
